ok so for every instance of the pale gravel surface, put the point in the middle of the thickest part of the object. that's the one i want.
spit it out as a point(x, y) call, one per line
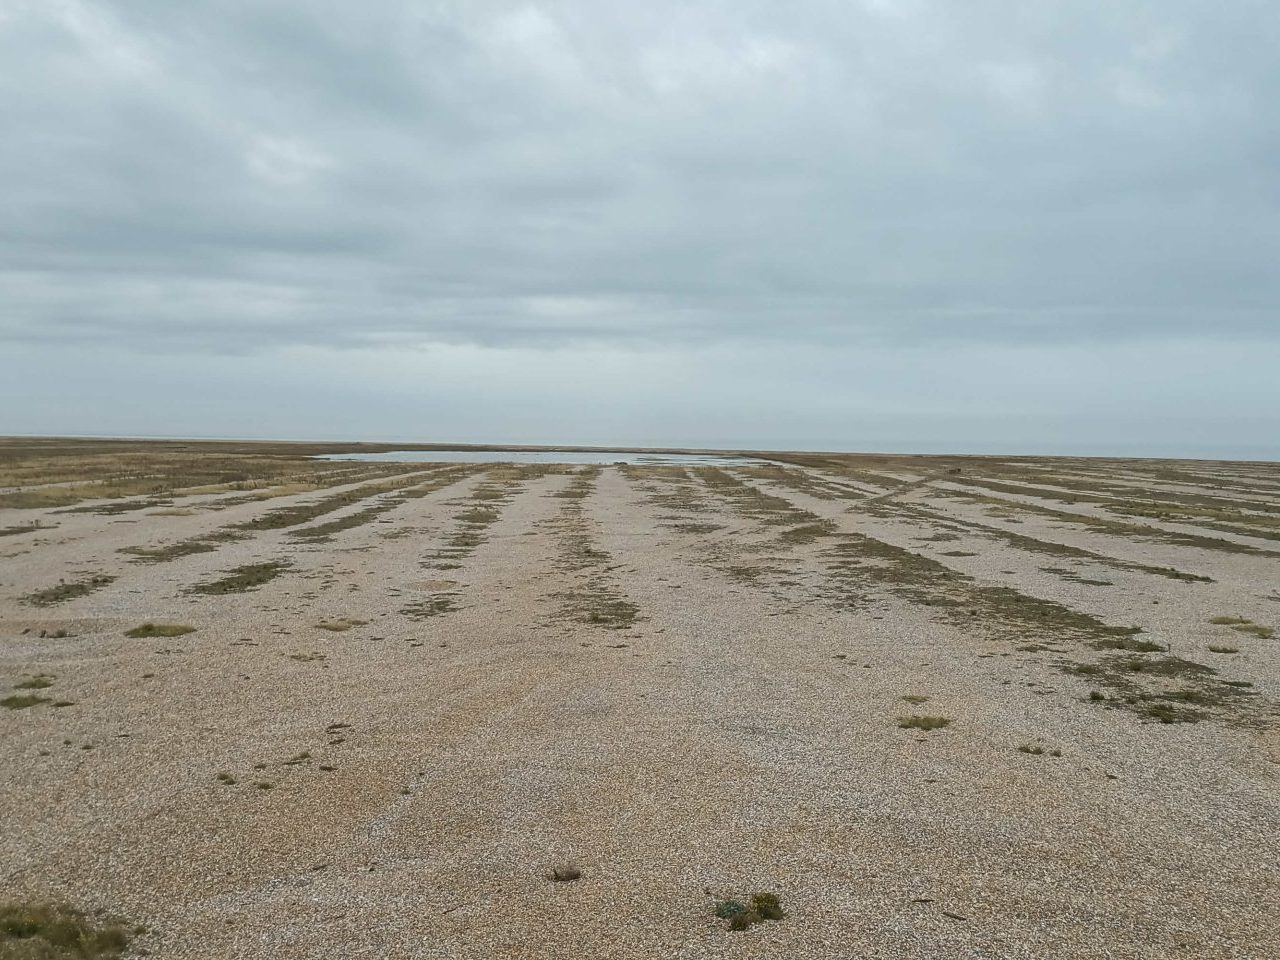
point(740, 735)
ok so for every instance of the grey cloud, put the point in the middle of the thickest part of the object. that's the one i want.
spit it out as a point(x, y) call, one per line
point(242, 176)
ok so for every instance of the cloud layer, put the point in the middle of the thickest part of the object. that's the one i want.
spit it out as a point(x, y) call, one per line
point(241, 177)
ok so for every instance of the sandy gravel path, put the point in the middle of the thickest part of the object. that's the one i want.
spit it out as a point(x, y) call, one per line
point(687, 683)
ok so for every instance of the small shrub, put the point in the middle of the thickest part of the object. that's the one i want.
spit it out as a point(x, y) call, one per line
point(565, 873)
point(741, 916)
point(915, 698)
point(38, 681)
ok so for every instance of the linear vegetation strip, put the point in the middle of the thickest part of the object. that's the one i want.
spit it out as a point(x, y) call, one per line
point(1115, 528)
point(1132, 674)
point(594, 598)
point(300, 513)
point(64, 591)
point(206, 543)
point(324, 531)
point(242, 579)
point(1034, 544)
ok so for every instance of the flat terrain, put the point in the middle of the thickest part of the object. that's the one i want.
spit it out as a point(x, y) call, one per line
point(274, 707)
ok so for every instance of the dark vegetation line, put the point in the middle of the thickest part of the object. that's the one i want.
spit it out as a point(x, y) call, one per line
point(595, 597)
point(1125, 671)
point(480, 510)
point(1211, 517)
point(1030, 544)
point(323, 532)
point(936, 520)
point(1115, 528)
point(278, 519)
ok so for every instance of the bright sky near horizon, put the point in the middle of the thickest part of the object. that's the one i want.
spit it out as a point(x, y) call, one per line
point(909, 225)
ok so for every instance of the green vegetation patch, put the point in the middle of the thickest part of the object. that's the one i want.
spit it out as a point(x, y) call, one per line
point(172, 551)
point(242, 579)
point(917, 722)
point(434, 606)
point(323, 531)
point(759, 908)
point(21, 701)
point(68, 591)
point(299, 513)
point(54, 932)
point(160, 630)
point(20, 528)
point(37, 681)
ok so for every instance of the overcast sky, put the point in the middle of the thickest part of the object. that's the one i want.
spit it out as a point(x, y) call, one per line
point(819, 224)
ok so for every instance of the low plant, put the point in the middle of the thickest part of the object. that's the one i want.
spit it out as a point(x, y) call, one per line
point(1038, 751)
point(758, 909)
point(916, 722)
point(21, 701)
point(45, 931)
point(160, 630)
point(340, 625)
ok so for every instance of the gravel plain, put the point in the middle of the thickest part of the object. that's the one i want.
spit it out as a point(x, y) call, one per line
point(407, 702)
